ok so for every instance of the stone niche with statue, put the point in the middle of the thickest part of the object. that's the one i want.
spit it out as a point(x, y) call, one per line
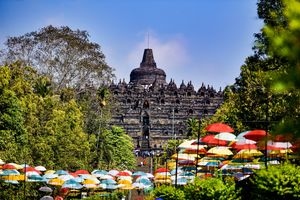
point(153, 111)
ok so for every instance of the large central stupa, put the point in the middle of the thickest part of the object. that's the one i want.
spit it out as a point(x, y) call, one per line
point(147, 73)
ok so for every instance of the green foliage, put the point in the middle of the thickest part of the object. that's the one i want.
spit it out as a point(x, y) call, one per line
point(263, 96)
point(66, 56)
point(212, 188)
point(116, 149)
point(168, 193)
point(192, 127)
point(36, 127)
point(16, 191)
point(278, 182)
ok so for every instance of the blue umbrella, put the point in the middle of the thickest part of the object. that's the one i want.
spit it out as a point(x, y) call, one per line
point(144, 181)
point(139, 173)
point(111, 187)
point(72, 184)
point(108, 182)
point(12, 182)
point(99, 172)
point(36, 178)
point(61, 172)
point(187, 174)
point(10, 172)
point(50, 176)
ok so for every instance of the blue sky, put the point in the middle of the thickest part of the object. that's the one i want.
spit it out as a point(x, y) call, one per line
point(192, 40)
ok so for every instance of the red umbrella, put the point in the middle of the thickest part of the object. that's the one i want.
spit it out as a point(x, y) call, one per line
point(211, 140)
point(161, 170)
point(244, 146)
point(186, 163)
point(255, 135)
point(30, 169)
point(8, 166)
point(82, 171)
point(123, 174)
point(219, 127)
point(283, 138)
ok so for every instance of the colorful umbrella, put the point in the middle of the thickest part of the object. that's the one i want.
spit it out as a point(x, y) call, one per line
point(45, 189)
point(61, 172)
point(108, 182)
point(99, 172)
point(219, 127)
point(211, 140)
point(9, 166)
point(226, 136)
point(72, 184)
point(186, 144)
point(220, 151)
point(40, 168)
point(255, 135)
point(56, 181)
point(161, 170)
point(249, 152)
point(123, 174)
point(113, 172)
point(82, 171)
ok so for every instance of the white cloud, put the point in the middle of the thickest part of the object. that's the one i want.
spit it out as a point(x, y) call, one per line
point(169, 54)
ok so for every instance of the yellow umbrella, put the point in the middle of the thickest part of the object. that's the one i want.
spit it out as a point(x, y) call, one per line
point(163, 181)
point(249, 152)
point(56, 181)
point(220, 151)
point(20, 177)
point(50, 172)
point(161, 176)
point(282, 151)
point(125, 182)
point(184, 156)
point(89, 181)
point(127, 187)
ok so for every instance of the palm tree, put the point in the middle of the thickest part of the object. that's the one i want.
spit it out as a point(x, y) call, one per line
point(192, 126)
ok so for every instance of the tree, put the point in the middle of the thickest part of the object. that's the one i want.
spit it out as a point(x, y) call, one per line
point(192, 126)
point(66, 56)
point(116, 149)
point(168, 193)
point(278, 182)
point(37, 127)
point(212, 188)
point(251, 102)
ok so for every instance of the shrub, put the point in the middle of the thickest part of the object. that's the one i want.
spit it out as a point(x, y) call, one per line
point(278, 182)
point(168, 193)
point(212, 188)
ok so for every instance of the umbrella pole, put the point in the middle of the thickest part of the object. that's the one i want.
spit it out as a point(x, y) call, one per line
point(25, 181)
point(176, 168)
point(198, 140)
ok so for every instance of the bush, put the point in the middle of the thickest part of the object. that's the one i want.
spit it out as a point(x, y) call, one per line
point(168, 193)
point(278, 182)
point(212, 188)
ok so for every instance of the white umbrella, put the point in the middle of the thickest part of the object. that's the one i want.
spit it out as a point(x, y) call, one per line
point(40, 168)
point(284, 145)
point(113, 172)
point(226, 136)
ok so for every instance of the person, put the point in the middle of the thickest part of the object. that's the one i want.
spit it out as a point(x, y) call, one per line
point(142, 163)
